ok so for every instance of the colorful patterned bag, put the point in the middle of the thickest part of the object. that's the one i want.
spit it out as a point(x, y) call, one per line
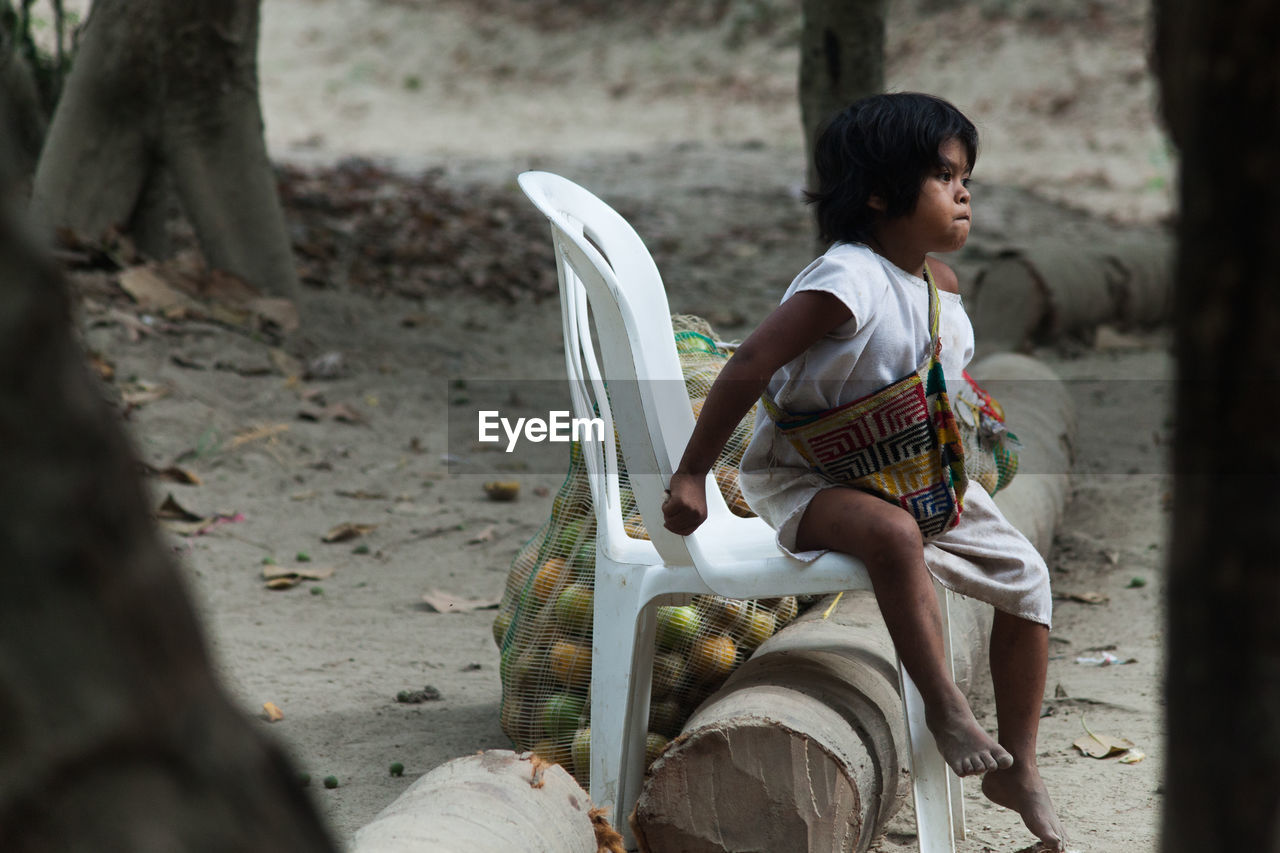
point(900, 443)
point(990, 450)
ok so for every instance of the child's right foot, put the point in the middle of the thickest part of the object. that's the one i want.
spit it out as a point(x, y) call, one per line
point(1022, 790)
point(966, 748)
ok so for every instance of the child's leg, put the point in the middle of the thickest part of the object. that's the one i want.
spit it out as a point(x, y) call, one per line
point(886, 539)
point(1019, 659)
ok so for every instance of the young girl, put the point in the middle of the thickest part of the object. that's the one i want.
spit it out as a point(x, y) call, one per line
point(893, 173)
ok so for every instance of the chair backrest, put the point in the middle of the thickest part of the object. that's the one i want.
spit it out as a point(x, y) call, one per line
point(612, 297)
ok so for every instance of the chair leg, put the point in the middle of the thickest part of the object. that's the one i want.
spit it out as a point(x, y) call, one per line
point(958, 827)
point(621, 679)
point(929, 773)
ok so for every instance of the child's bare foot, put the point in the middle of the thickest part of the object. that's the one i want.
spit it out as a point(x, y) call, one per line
point(966, 748)
point(1021, 789)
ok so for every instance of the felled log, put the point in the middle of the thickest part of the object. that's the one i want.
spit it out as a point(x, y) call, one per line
point(804, 747)
point(1050, 289)
point(492, 802)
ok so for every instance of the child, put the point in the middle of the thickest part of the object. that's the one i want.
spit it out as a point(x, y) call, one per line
point(893, 174)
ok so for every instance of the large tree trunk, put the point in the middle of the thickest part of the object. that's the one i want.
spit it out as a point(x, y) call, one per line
point(22, 119)
point(114, 735)
point(841, 60)
point(165, 92)
point(491, 802)
point(1221, 88)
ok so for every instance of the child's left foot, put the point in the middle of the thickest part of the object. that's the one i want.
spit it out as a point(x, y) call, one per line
point(1021, 789)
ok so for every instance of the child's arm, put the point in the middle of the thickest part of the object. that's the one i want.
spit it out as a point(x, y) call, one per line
point(791, 329)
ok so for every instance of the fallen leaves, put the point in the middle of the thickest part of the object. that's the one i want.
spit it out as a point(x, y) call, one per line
point(258, 433)
point(1096, 745)
point(347, 531)
point(183, 289)
point(174, 516)
point(272, 712)
point(357, 224)
point(285, 577)
point(440, 601)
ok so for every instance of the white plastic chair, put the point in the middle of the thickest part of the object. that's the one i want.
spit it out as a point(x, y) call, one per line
point(612, 298)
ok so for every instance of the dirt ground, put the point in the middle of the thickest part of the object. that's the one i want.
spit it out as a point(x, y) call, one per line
point(690, 128)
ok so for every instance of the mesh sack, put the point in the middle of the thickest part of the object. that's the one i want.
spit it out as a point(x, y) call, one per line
point(544, 622)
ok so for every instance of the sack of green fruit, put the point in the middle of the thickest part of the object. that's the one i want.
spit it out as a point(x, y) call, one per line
point(544, 622)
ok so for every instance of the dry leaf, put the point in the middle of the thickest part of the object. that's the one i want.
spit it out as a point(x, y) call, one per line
point(360, 495)
point(256, 434)
point(445, 602)
point(1097, 745)
point(152, 291)
point(174, 474)
point(1083, 597)
point(225, 287)
point(171, 510)
point(483, 536)
point(272, 712)
point(284, 577)
point(347, 530)
point(345, 414)
point(281, 313)
point(141, 392)
point(338, 411)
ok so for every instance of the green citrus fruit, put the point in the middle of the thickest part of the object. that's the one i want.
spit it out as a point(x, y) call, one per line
point(574, 608)
point(570, 664)
point(669, 671)
point(560, 715)
point(653, 745)
point(665, 717)
point(758, 626)
point(678, 626)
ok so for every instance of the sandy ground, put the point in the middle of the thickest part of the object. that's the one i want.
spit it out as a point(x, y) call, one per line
point(697, 142)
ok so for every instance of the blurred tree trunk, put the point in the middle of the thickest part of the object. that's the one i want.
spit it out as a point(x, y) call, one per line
point(841, 60)
point(161, 94)
point(114, 734)
point(1221, 91)
point(23, 120)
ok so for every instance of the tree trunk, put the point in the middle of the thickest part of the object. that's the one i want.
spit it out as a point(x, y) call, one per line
point(114, 735)
point(1221, 87)
point(493, 802)
point(168, 92)
point(804, 748)
point(22, 119)
point(841, 60)
point(1050, 288)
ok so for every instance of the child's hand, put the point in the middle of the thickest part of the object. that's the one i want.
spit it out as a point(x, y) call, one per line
point(686, 505)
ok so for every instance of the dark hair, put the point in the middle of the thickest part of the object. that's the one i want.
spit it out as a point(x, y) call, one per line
point(881, 145)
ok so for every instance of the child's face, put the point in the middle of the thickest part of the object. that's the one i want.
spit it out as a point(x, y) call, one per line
point(940, 222)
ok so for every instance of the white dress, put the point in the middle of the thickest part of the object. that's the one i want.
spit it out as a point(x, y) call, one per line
point(983, 556)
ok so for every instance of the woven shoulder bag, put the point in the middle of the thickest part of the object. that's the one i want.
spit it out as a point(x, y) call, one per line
point(900, 443)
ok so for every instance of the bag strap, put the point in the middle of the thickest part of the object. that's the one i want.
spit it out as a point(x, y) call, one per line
point(935, 316)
